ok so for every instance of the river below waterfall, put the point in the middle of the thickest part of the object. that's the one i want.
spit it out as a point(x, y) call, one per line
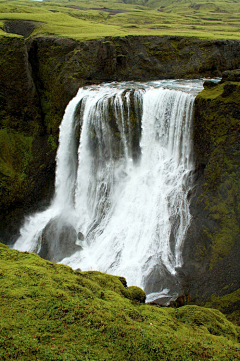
point(123, 176)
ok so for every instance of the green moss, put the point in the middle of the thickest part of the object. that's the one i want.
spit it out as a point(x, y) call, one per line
point(218, 92)
point(137, 294)
point(15, 156)
point(229, 304)
point(52, 142)
point(211, 93)
point(51, 312)
point(218, 135)
point(210, 321)
point(163, 52)
point(175, 44)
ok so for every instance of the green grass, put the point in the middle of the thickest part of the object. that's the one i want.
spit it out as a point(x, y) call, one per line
point(50, 312)
point(77, 20)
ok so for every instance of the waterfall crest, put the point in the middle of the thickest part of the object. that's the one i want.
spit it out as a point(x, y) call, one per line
point(122, 181)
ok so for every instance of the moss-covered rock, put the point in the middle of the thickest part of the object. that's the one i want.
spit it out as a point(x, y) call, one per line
point(229, 304)
point(137, 294)
point(231, 75)
point(212, 249)
point(24, 147)
point(16, 154)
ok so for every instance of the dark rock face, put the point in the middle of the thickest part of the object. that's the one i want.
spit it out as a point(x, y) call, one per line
point(26, 157)
point(161, 279)
point(18, 94)
point(134, 58)
point(211, 250)
point(58, 240)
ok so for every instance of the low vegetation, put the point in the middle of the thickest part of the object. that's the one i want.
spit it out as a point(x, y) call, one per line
point(83, 19)
point(50, 312)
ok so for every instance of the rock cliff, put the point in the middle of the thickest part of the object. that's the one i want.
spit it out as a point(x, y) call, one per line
point(40, 75)
point(212, 248)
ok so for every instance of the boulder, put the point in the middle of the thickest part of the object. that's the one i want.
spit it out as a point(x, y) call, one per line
point(58, 240)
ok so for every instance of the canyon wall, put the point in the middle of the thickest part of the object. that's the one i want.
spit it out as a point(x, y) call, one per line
point(39, 76)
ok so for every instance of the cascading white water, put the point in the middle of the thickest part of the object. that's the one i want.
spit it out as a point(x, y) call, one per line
point(128, 197)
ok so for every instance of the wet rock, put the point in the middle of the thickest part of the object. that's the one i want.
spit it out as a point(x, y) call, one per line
point(180, 301)
point(80, 236)
point(58, 240)
point(161, 280)
point(78, 270)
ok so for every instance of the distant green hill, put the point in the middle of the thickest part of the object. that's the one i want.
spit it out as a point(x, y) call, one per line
point(97, 19)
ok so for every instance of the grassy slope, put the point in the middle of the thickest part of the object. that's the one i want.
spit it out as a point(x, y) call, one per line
point(50, 312)
point(215, 20)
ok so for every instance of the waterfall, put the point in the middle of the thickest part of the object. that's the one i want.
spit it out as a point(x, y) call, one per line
point(122, 183)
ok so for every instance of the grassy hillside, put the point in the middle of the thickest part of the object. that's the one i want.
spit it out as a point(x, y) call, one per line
point(96, 19)
point(50, 312)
